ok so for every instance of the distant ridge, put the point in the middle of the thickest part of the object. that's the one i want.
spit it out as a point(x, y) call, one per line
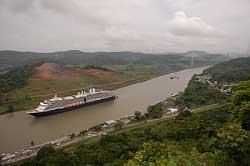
point(18, 58)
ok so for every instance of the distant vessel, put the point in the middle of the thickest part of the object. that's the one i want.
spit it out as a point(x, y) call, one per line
point(174, 77)
point(62, 104)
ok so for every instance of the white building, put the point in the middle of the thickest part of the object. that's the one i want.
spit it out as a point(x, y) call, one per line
point(109, 123)
point(172, 110)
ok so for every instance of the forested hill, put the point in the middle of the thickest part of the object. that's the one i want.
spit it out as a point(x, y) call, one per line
point(16, 58)
point(234, 70)
point(203, 92)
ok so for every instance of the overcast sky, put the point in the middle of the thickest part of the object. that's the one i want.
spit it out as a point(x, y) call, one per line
point(119, 25)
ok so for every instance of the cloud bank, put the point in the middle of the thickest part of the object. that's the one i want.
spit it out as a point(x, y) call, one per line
point(117, 25)
point(183, 25)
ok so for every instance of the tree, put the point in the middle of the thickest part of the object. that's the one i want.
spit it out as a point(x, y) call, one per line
point(72, 135)
point(232, 140)
point(137, 115)
point(45, 152)
point(156, 153)
point(244, 109)
point(32, 143)
point(97, 128)
point(240, 108)
point(83, 132)
point(119, 124)
point(184, 114)
point(155, 111)
point(151, 152)
point(10, 108)
point(244, 85)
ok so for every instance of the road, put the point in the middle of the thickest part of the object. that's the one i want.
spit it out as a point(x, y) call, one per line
point(136, 125)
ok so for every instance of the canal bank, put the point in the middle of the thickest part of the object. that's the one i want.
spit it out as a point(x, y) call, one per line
point(18, 129)
point(87, 139)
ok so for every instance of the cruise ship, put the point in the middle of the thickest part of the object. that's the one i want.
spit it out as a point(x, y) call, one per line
point(62, 104)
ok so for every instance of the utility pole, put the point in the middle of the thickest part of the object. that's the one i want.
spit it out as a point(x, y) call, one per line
point(248, 50)
point(192, 61)
point(229, 53)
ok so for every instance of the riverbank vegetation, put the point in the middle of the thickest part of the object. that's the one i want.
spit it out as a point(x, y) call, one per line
point(216, 137)
point(14, 79)
point(232, 71)
point(119, 148)
point(199, 94)
point(206, 88)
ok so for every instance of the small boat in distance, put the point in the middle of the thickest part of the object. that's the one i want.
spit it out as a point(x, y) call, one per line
point(174, 77)
point(62, 104)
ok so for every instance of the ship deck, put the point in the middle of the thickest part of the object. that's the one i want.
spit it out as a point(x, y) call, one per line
point(89, 98)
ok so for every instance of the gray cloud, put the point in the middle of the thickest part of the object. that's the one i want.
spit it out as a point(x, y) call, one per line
point(17, 6)
point(115, 25)
point(183, 25)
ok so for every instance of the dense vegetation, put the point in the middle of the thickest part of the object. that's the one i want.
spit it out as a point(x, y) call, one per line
point(198, 93)
point(180, 137)
point(241, 104)
point(14, 79)
point(234, 70)
point(96, 67)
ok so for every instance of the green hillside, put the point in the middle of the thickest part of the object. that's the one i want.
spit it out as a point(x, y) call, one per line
point(22, 87)
point(234, 70)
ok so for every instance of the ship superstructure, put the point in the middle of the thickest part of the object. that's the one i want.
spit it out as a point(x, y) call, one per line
point(62, 104)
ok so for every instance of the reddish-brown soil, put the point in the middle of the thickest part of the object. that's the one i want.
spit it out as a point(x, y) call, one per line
point(48, 71)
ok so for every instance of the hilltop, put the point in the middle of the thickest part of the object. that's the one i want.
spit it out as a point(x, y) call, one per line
point(17, 58)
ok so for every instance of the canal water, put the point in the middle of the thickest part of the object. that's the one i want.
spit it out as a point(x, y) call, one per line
point(18, 129)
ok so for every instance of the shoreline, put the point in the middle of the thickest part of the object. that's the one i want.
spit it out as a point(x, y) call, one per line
point(114, 86)
point(184, 75)
point(75, 140)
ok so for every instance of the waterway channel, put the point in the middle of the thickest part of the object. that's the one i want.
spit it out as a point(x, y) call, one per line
point(18, 129)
